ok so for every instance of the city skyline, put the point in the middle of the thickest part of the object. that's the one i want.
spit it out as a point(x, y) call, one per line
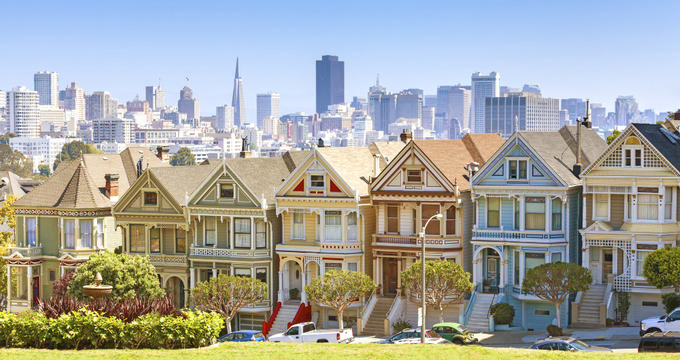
point(575, 54)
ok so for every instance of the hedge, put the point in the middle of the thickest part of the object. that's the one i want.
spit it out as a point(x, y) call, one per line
point(85, 329)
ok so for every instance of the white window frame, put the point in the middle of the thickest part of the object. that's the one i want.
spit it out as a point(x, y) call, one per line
point(632, 149)
point(243, 235)
point(673, 199)
point(517, 161)
point(83, 235)
point(352, 233)
point(260, 235)
point(323, 179)
point(332, 228)
point(638, 269)
point(34, 232)
point(293, 235)
point(420, 175)
point(219, 191)
point(73, 234)
point(207, 230)
point(609, 198)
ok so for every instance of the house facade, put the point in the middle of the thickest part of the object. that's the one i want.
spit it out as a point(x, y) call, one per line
point(528, 200)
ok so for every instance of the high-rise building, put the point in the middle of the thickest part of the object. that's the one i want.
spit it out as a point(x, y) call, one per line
point(112, 129)
point(521, 112)
point(362, 123)
point(453, 102)
point(428, 117)
point(650, 116)
point(564, 117)
point(74, 100)
point(100, 105)
point(575, 107)
point(483, 86)
point(359, 103)
point(410, 107)
point(224, 117)
point(534, 89)
point(237, 99)
point(598, 115)
point(626, 110)
point(188, 105)
point(23, 114)
point(330, 82)
point(155, 96)
point(46, 83)
point(270, 126)
point(267, 105)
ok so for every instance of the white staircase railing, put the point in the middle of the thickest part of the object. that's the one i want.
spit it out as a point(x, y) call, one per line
point(396, 312)
point(368, 309)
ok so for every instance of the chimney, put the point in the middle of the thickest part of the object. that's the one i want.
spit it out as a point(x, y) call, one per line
point(376, 165)
point(163, 153)
point(112, 186)
point(472, 169)
point(577, 167)
point(406, 136)
point(245, 148)
point(586, 120)
point(320, 144)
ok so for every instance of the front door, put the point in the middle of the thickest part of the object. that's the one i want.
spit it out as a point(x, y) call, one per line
point(607, 264)
point(492, 272)
point(390, 276)
point(36, 289)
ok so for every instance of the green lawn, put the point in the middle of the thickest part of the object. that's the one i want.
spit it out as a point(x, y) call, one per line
point(264, 351)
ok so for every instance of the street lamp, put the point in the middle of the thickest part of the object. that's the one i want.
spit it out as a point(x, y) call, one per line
point(422, 259)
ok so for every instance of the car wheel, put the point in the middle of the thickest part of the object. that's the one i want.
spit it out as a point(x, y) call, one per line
point(458, 341)
point(652, 330)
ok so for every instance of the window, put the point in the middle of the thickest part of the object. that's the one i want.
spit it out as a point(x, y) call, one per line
point(261, 274)
point(210, 231)
point(352, 266)
point(69, 234)
point(532, 260)
point(601, 206)
point(516, 272)
point(642, 251)
point(535, 213)
point(100, 233)
point(352, 227)
point(332, 266)
point(242, 233)
point(137, 238)
point(86, 233)
point(155, 240)
point(535, 172)
point(298, 225)
point(493, 212)
point(414, 222)
point(428, 211)
point(317, 181)
point(226, 191)
point(30, 231)
point(647, 203)
point(650, 303)
point(242, 272)
point(414, 176)
point(632, 155)
point(518, 169)
point(668, 201)
point(393, 219)
point(516, 213)
point(555, 257)
point(499, 171)
point(261, 235)
point(451, 221)
point(557, 214)
point(180, 241)
point(150, 198)
point(333, 225)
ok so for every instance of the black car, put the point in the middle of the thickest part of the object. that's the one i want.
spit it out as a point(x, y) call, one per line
point(660, 342)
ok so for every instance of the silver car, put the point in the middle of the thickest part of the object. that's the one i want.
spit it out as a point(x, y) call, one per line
point(566, 344)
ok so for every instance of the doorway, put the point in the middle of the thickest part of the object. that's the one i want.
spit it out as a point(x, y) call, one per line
point(607, 264)
point(36, 289)
point(390, 276)
point(492, 276)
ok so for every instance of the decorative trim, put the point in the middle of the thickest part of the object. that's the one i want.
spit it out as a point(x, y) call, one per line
point(77, 213)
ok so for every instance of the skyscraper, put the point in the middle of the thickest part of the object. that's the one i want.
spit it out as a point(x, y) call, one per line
point(100, 105)
point(188, 105)
point(74, 100)
point(483, 86)
point(46, 83)
point(23, 112)
point(267, 105)
point(330, 82)
point(155, 96)
point(453, 102)
point(237, 99)
point(576, 108)
point(224, 117)
point(626, 110)
point(521, 112)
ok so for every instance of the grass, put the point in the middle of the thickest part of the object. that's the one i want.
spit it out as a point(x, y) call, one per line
point(265, 351)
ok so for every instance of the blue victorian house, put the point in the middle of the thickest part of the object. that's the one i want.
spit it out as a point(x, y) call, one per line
point(528, 212)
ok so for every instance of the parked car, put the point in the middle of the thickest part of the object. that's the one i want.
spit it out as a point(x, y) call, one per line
point(412, 336)
point(662, 323)
point(565, 344)
point(307, 332)
point(455, 333)
point(660, 342)
point(243, 335)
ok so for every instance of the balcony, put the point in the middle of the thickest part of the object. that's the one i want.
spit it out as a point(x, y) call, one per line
point(413, 242)
point(517, 236)
point(167, 260)
point(207, 252)
point(25, 251)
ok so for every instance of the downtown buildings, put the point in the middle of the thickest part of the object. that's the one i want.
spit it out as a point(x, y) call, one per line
point(483, 86)
point(330, 82)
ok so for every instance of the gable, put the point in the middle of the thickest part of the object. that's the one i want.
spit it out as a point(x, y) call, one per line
point(147, 195)
point(223, 188)
point(411, 170)
point(315, 177)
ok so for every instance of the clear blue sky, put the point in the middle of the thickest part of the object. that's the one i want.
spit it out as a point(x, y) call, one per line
point(588, 49)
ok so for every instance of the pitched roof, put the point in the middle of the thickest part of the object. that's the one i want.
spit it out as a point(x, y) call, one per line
point(261, 175)
point(13, 184)
point(180, 181)
point(670, 149)
point(452, 156)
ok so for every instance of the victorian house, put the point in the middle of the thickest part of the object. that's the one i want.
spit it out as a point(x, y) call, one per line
point(426, 178)
point(630, 209)
point(527, 199)
point(66, 219)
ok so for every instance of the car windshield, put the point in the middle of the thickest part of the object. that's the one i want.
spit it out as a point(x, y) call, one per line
point(579, 345)
point(463, 330)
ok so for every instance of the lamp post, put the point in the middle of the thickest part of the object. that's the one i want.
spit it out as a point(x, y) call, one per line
point(422, 260)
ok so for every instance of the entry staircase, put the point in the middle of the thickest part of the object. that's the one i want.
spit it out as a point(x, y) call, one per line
point(589, 307)
point(479, 316)
point(286, 314)
point(376, 321)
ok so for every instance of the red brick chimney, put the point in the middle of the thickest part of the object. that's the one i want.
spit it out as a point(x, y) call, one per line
point(112, 186)
point(163, 153)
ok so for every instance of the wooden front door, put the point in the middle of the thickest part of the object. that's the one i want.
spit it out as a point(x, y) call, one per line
point(390, 276)
point(607, 264)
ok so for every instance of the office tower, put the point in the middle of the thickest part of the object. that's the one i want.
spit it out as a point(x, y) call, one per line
point(225, 117)
point(453, 102)
point(270, 126)
point(428, 117)
point(410, 107)
point(46, 83)
point(155, 96)
point(141, 108)
point(576, 108)
point(564, 117)
point(52, 118)
point(430, 100)
point(415, 91)
point(382, 108)
point(626, 110)
point(100, 105)
point(330, 82)
point(508, 89)
point(23, 114)
point(483, 86)
point(521, 112)
point(267, 105)
point(534, 89)
point(188, 105)
point(650, 116)
point(74, 100)
point(237, 99)
point(359, 103)
point(112, 129)
point(361, 122)
point(598, 115)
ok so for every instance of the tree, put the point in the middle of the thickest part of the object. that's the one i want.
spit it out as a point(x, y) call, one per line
point(44, 170)
point(445, 283)
point(6, 218)
point(182, 157)
point(130, 276)
point(14, 161)
point(227, 295)
point(554, 282)
point(73, 150)
point(613, 136)
point(4, 139)
point(339, 289)
point(662, 268)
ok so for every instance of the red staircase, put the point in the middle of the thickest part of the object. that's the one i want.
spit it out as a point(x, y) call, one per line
point(303, 314)
point(267, 325)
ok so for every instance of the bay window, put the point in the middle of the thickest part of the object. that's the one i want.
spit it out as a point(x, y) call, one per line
point(298, 225)
point(261, 235)
point(557, 214)
point(86, 233)
point(601, 206)
point(210, 231)
point(100, 233)
point(352, 227)
point(451, 221)
point(493, 211)
point(532, 260)
point(427, 212)
point(535, 213)
point(668, 201)
point(30, 231)
point(393, 220)
point(137, 238)
point(155, 240)
point(180, 241)
point(242, 233)
point(333, 225)
point(69, 234)
point(648, 203)
point(642, 251)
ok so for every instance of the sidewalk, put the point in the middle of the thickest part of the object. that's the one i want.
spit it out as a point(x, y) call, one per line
point(499, 338)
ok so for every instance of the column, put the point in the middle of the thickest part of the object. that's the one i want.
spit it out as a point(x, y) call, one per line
point(231, 232)
point(252, 233)
point(76, 233)
point(585, 204)
point(280, 292)
point(303, 294)
point(343, 227)
point(29, 277)
point(399, 268)
point(548, 210)
point(214, 270)
point(9, 287)
point(192, 277)
point(522, 217)
point(521, 267)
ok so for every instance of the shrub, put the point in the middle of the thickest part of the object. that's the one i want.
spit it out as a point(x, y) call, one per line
point(670, 302)
point(554, 330)
point(85, 329)
point(126, 310)
point(502, 313)
point(400, 325)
